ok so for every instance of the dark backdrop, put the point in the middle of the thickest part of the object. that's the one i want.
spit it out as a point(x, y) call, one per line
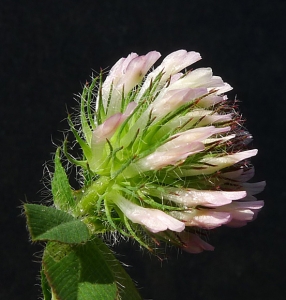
point(49, 48)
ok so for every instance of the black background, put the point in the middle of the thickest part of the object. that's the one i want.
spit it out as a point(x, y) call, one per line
point(49, 48)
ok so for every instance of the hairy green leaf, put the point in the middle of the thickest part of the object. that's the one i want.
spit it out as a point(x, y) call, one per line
point(50, 224)
point(62, 193)
point(86, 272)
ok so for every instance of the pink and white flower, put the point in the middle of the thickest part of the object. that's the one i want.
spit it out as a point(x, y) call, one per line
point(164, 149)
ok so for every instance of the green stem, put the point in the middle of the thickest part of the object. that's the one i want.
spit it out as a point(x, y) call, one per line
point(92, 195)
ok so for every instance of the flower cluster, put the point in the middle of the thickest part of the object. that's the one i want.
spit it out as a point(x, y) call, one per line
point(164, 153)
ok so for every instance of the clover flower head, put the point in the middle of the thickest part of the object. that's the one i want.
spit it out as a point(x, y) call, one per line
point(164, 153)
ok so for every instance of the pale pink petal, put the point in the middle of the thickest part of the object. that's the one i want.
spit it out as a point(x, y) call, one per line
point(207, 219)
point(214, 118)
point(242, 214)
point(106, 129)
point(240, 175)
point(123, 76)
point(129, 110)
point(200, 117)
point(202, 77)
point(136, 70)
point(219, 163)
point(221, 139)
point(246, 175)
point(197, 78)
point(198, 134)
point(253, 205)
point(126, 63)
point(177, 61)
point(248, 198)
point(118, 69)
point(193, 243)
point(188, 136)
point(175, 77)
point(236, 223)
point(254, 188)
point(114, 75)
point(153, 219)
point(233, 175)
point(99, 138)
point(255, 211)
point(172, 99)
point(172, 156)
point(210, 219)
point(179, 148)
point(211, 100)
point(223, 89)
point(172, 64)
point(149, 60)
point(192, 135)
point(204, 198)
